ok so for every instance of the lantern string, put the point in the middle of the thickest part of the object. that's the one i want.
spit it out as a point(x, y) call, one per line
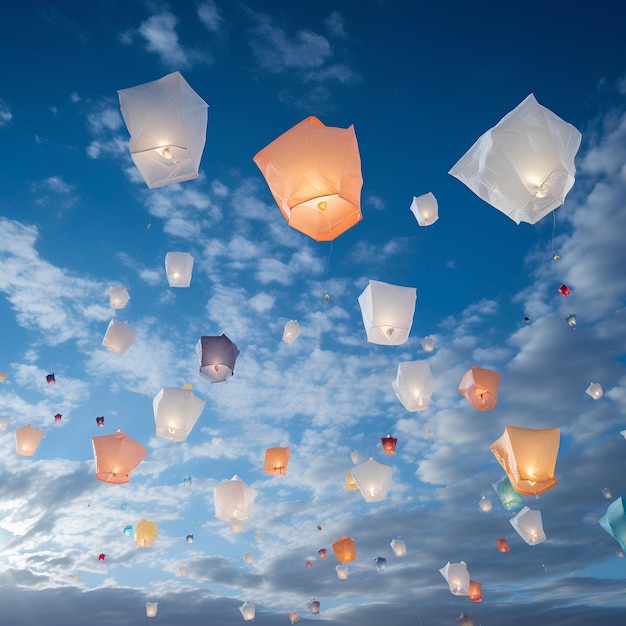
point(417, 610)
point(145, 232)
point(430, 258)
point(330, 251)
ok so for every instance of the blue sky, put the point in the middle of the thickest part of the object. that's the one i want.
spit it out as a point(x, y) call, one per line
point(420, 84)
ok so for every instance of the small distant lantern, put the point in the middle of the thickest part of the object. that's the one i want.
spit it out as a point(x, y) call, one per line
point(503, 545)
point(571, 320)
point(176, 412)
point(128, 530)
point(595, 391)
point(480, 387)
point(51, 379)
point(247, 611)
point(100, 421)
point(345, 549)
point(355, 457)
point(233, 500)
point(294, 617)
point(187, 481)
point(118, 337)
point(425, 209)
point(381, 563)
point(475, 592)
point(4, 423)
point(314, 606)
point(3, 376)
point(428, 344)
point(151, 609)
point(466, 619)
point(182, 570)
point(118, 297)
point(528, 455)
point(146, 533)
point(276, 460)
point(564, 290)
point(291, 331)
point(350, 482)
point(509, 498)
point(27, 440)
point(101, 557)
point(614, 521)
point(322, 553)
point(373, 480)
point(606, 492)
point(217, 356)
point(309, 564)
point(398, 545)
point(247, 558)
point(485, 504)
point(58, 417)
point(178, 268)
point(123, 506)
point(389, 444)
point(342, 572)
point(414, 385)
point(189, 538)
point(457, 577)
point(387, 312)
point(258, 536)
point(529, 526)
point(314, 174)
point(116, 457)
point(167, 122)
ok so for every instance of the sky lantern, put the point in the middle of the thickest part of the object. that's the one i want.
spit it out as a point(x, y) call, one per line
point(457, 577)
point(116, 457)
point(475, 591)
point(309, 564)
point(276, 460)
point(217, 356)
point(389, 444)
point(118, 297)
point(398, 545)
point(291, 331)
point(355, 457)
point(564, 290)
point(258, 535)
point(485, 504)
point(314, 606)
point(50, 379)
point(233, 500)
point(247, 558)
point(373, 480)
point(529, 526)
point(247, 611)
point(503, 545)
point(167, 122)
point(294, 617)
point(27, 440)
point(528, 455)
point(322, 553)
point(189, 538)
point(342, 572)
point(381, 563)
point(128, 530)
point(101, 556)
point(118, 337)
point(100, 421)
point(4, 422)
point(187, 481)
point(176, 412)
point(3, 376)
point(606, 492)
point(480, 387)
point(524, 165)
point(428, 344)
point(387, 312)
point(426, 209)
point(182, 570)
point(571, 320)
point(345, 549)
point(350, 482)
point(595, 391)
point(414, 385)
point(466, 619)
point(614, 521)
point(508, 496)
point(151, 609)
point(58, 417)
point(178, 268)
point(145, 533)
point(314, 174)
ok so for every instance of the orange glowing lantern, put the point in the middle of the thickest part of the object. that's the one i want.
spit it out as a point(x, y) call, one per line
point(276, 460)
point(322, 553)
point(344, 549)
point(309, 564)
point(27, 440)
point(475, 592)
point(116, 457)
point(503, 545)
point(389, 444)
point(480, 387)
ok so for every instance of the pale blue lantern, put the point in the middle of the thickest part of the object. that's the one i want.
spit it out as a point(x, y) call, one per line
point(614, 521)
point(128, 531)
point(510, 499)
point(381, 563)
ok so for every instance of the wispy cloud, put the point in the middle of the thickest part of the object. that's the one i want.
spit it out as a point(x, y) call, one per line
point(210, 16)
point(5, 113)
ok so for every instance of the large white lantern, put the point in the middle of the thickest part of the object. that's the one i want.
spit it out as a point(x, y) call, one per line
point(176, 412)
point(387, 312)
point(118, 296)
point(178, 268)
point(342, 572)
point(414, 385)
point(291, 331)
point(247, 611)
point(524, 165)
point(167, 122)
point(458, 578)
point(233, 500)
point(118, 337)
point(529, 526)
point(426, 209)
point(373, 480)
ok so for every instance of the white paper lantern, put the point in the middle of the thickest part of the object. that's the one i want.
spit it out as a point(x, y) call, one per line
point(595, 391)
point(426, 209)
point(314, 607)
point(151, 609)
point(178, 268)
point(398, 546)
point(529, 526)
point(428, 344)
point(248, 611)
point(373, 480)
point(485, 504)
point(176, 412)
point(414, 385)
point(4, 422)
point(342, 572)
point(247, 558)
point(233, 500)
point(118, 297)
point(294, 617)
point(118, 337)
point(291, 331)
point(458, 578)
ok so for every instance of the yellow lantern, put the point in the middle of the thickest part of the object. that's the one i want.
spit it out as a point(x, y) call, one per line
point(145, 533)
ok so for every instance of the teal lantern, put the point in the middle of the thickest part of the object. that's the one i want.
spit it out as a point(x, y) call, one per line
point(381, 563)
point(128, 530)
point(614, 521)
point(510, 499)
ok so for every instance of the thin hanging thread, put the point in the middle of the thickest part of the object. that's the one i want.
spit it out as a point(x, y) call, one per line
point(430, 258)
point(328, 265)
point(418, 612)
point(145, 232)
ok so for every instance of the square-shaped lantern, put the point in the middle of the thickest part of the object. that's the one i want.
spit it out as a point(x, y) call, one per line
point(233, 500)
point(528, 455)
point(314, 174)
point(414, 385)
point(398, 545)
point(178, 268)
point(389, 444)
point(291, 331)
point(425, 208)
point(475, 592)
point(457, 577)
point(151, 609)
point(27, 440)
point(428, 344)
point(614, 521)
point(510, 499)
point(529, 526)
point(387, 312)
point(524, 165)
point(342, 572)
point(247, 558)
point(116, 457)
point(217, 356)
point(3, 376)
point(4, 423)
point(595, 391)
point(314, 606)
point(503, 545)
point(373, 480)
point(480, 387)
point(167, 122)
point(100, 421)
point(344, 549)
point(485, 504)
point(247, 611)
point(118, 297)
point(118, 337)
point(146, 533)
point(294, 617)
point(176, 412)
point(276, 460)
point(322, 553)
point(381, 563)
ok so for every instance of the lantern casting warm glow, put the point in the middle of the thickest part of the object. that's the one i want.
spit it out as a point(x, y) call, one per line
point(503, 545)
point(116, 457)
point(291, 331)
point(276, 460)
point(3, 376)
point(118, 297)
point(425, 209)
point(475, 592)
point(217, 356)
point(398, 546)
point(314, 607)
point(176, 412)
point(294, 617)
point(100, 421)
point(344, 549)
point(179, 268)
point(457, 577)
point(27, 440)
point(414, 385)
point(247, 611)
point(350, 482)
point(145, 533)
point(389, 444)
point(119, 337)
point(595, 391)
point(247, 558)
point(151, 609)
point(373, 480)
point(529, 526)
point(50, 379)
point(480, 387)
point(322, 553)
point(233, 500)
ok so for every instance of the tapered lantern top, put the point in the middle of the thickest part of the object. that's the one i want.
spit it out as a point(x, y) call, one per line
point(276, 460)
point(176, 412)
point(595, 391)
point(458, 578)
point(344, 549)
point(373, 480)
point(233, 500)
point(426, 209)
point(27, 440)
point(314, 174)
point(387, 312)
point(614, 521)
point(523, 166)
point(118, 337)
point(146, 533)
point(528, 455)
point(167, 122)
point(398, 545)
point(217, 356)
point(118, 297)
point(529, 526)
point(116, 457)
point(480, 387)
point(414, 385)
point(178, 268)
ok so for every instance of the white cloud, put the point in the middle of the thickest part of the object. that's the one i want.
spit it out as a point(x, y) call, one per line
point(5, 113)
point(210, 16)
point(335, 24)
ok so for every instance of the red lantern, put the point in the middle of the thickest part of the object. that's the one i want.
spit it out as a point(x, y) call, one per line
point(475, 592)
point(389, 444)
point(502, 545)
point(100, 421)
point(309, 564)
point(101, 557)
point(564, 290)
point(57, 417)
